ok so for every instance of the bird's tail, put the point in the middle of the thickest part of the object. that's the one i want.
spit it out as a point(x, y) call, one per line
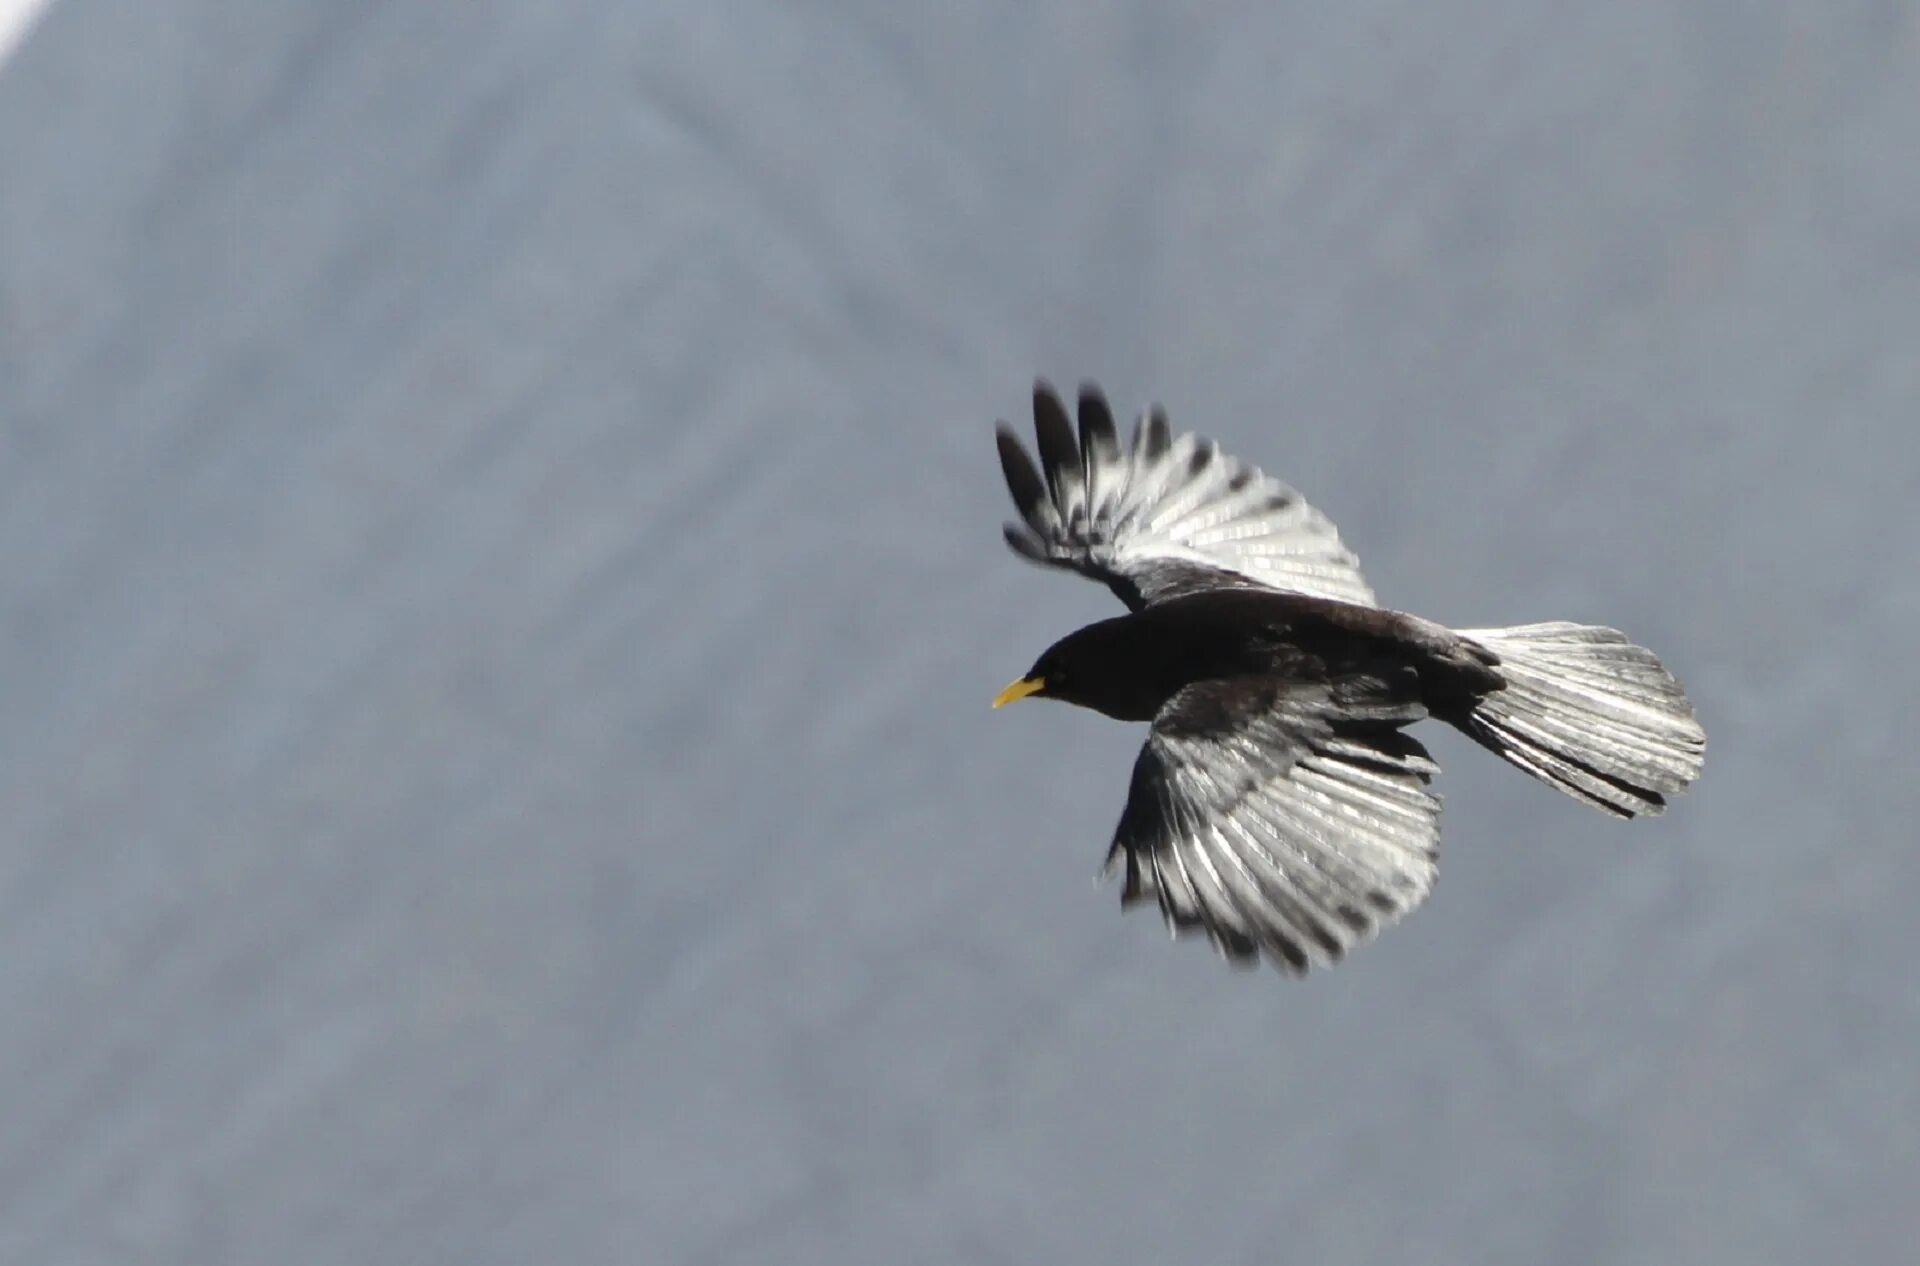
point(1587, 711)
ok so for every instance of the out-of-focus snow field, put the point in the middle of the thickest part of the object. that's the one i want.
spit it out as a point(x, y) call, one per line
point(500, 585)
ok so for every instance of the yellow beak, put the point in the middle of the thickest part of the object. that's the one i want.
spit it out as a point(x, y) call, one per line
point(1020, 690)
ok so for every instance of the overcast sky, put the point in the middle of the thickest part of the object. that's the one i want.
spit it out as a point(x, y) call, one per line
point(501, 582)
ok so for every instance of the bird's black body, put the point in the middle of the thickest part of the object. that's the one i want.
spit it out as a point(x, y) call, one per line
point(1130, 666)
point(1277, 805)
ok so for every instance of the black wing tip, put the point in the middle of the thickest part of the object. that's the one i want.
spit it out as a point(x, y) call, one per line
point(1053, 430)
point(1007, 440)
point(1029, 491)
point(1154, 433)
point(1288, 958)
point(1048, 403)
point(1097, 433)
point(1046, 395)
point(1021, 540)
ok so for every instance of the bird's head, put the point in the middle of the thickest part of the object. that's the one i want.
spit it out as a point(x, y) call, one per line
point(1099, 667)
point(1049, 678)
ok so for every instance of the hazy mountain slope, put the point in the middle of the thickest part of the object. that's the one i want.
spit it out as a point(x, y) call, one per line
point(501, 583)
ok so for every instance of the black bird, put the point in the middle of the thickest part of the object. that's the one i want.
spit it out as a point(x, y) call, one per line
point(1278, 806)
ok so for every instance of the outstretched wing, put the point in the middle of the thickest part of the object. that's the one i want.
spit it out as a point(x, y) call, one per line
point(1169, 515)
point(1285, 819)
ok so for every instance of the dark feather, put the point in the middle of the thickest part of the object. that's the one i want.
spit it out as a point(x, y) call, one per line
point(1059, 452)
point(1099, 441)
point(1023, 480)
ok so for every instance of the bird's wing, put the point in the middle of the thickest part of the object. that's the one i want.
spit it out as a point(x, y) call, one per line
point(1169, 515)
point(1285, 819)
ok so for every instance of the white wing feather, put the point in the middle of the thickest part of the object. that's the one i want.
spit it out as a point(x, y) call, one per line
point(1167, 515)
point(1296, 835)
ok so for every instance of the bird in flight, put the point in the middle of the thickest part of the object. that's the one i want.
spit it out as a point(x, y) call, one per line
point(1278, 805)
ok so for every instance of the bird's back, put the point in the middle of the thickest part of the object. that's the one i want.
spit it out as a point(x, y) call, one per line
point(1142, 659)
point(1299, 637)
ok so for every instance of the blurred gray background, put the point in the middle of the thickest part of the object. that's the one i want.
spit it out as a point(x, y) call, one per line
point(501, 582)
